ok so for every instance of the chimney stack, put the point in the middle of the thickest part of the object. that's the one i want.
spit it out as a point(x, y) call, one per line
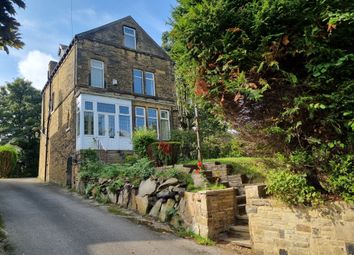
point(52, 64)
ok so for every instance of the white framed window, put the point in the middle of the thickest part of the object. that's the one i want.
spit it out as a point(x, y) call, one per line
point(97, 73)
point(149, 84)
point(129, 37)
point(165, 124)
point(88, 119)
point(78, 121)
point(140, 121)
point(138, 81)
point(124, 121)
point(152, 120)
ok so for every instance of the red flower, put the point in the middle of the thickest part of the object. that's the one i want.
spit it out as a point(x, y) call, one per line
point(197, 171)
point(200, 164)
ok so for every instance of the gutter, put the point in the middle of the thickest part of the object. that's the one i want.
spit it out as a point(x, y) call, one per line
point(47, 133)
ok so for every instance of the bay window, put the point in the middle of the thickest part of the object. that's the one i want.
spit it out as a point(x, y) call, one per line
point(124, 121)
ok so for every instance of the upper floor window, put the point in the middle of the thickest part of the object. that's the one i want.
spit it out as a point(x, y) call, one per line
point(138, 81)
point(51, 103)
point(97, 73)
point(129, 37)
point(149, 84)
point(139, 117)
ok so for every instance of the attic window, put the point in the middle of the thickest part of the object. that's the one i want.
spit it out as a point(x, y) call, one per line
point(129, 37)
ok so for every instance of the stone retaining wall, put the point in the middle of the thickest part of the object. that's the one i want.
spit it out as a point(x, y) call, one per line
point(208, 213)
point(278, 229)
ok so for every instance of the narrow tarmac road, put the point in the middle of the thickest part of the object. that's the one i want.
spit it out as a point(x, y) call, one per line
point(43, 219)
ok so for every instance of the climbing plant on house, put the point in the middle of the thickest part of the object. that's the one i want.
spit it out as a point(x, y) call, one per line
point(282, 68)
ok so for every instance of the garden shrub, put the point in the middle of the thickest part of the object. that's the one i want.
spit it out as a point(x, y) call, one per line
point(8, 159)
point(188, 143)
point(141, 140)
point(292, 188)
point(164, 153)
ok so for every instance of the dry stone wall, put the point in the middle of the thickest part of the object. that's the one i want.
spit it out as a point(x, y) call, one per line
point(278, 229)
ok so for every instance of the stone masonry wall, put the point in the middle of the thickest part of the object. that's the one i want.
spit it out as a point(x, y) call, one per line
point(278, 229)
point(61, 129)
point(208, 213)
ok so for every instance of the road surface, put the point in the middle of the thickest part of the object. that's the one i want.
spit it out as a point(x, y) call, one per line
point(43, 219)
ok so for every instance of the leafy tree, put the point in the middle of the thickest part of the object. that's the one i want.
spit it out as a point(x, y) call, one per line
point(9, 34)
point(283, 68)
point(20, 107)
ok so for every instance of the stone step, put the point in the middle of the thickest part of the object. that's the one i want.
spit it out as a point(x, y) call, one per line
point(241, 209)
point(240, 191)
point(241, 219)
point(239, 235)
point(239, 228)
point(241, 199)
point(240, 242)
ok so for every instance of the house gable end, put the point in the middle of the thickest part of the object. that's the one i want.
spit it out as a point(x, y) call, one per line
point(112, 34)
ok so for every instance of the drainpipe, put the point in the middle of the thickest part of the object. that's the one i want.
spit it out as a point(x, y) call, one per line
point(47, 133)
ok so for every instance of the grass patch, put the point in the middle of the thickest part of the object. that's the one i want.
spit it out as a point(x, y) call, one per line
point(208, 187)
point(117, 211)
point(184, 233)
point(254, 168)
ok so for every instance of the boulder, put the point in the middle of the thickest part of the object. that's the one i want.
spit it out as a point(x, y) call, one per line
point(142, 204)
point(165, 194)
point(167, 183)
point(132, 201)
point(155, 211)
point(198, 179)
point(165, 209)
point(147, 187)
point(120, 197)
point(112, 197)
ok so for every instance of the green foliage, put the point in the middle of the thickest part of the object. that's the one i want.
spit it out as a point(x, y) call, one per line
point(175, 173)
point(164, 153)
point(116, 185)
point(284, 66)
point(131, 159)
point(141, 170)
point(20, 105)
point(8, 159)
point(141, 140)
point(341, 177)
point(9, 33)
point(292, 188)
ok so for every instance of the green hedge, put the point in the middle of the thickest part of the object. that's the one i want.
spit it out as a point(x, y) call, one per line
point(8, 159)
point(141, 140)
point(164, 153)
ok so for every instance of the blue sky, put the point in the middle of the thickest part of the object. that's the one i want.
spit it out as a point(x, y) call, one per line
point(45, 24)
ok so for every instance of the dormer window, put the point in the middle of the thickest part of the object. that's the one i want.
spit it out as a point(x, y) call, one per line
point(129, 37)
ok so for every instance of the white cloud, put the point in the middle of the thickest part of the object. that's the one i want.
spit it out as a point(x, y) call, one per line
point(34, 67)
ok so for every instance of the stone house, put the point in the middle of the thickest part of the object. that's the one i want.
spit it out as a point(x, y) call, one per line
point(109, 81)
